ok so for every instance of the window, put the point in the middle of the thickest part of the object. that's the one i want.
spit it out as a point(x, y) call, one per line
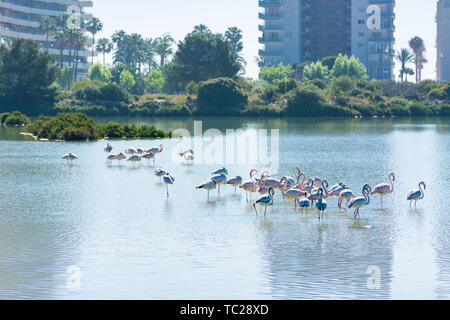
point(361, 21)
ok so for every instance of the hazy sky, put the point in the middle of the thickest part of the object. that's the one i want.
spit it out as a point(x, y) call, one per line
point(152, 18)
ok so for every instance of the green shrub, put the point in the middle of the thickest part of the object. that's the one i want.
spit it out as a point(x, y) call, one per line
point(445, 110)
point(287, 85)
point(15, 118)
point(221, 96)
point(305, 101)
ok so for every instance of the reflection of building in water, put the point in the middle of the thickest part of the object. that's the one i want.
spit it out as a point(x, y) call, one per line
point(22, 19)
point(310, 260)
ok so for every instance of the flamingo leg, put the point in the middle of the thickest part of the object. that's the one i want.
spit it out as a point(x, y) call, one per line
point(415, 204)
point(254, 206)
point(167, 188)
point(381, 197)
point(265, 211)
point(246, 195)
point(208, 195)
point(410, 203)
point(219, 190)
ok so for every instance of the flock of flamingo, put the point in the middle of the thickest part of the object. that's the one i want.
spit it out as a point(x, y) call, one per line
point(305, 193)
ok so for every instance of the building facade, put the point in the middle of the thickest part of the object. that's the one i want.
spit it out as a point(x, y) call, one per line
point(308, 30)
point(22, 19)
point(443, 40)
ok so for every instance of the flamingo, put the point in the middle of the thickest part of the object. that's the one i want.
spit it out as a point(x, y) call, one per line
point(70, 157)
point(221, 171)
point(111, 158)
point(160, 173)
point(155, 150)
point(149, 156)
point(321, 203)
point(336, 190)
point(208, 185)
point(140, 150)
point(235, 182)
point(271, 182)
point(293, 194)
point(108, 148)
point(416, 194)
point(317, 182)
point(219, 178)
point(182, 154)
point(346, 194)
point(384, 189)
point(250, 185)
point(314, 193)
point(134, 158)
point(131, 151)
point(265, 201)
point(168, 179)
point(304, 203)
point(358, 203)
point(189, 156)
point(120, 157)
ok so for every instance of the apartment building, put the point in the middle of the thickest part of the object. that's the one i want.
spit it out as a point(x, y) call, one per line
point(22, 19)
point(308, 30)
point(443, 40)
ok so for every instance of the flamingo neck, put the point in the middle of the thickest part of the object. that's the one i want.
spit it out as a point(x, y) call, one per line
point(391, 184)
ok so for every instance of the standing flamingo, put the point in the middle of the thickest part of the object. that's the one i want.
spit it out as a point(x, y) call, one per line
point(111, 158)
point(265, 201)
point(346, 194)
point(120, 157)
point(293, 194)
point(131, 151)
point(149, 156)
point(155, 150)
point(134, 158)
point(358, 203)
point(250, 185)
point(160, 173)
point(168, 179)
point(321, 204)
point(304, 203)
point(235, 182)
point(336, 190)
point(108, 148)
point(70, 157)
point(219, 178)
point(384, 189)
point(416, 194)
point(208, 185)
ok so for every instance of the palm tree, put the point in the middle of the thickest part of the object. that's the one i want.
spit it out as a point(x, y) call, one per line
point(104, 46)
point(118, 38)
point(418, 46)
point(408, 72)
point(47, 25)
point(61, 41)
point(79, 41)
point(94, 25)
point(61, 21)
point(164, 47)
point(404, 56)
point(234, 37)
point(202, 29)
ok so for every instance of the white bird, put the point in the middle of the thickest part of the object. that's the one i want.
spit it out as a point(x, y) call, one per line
point(168, 179)
point(358, 203)
point(208, 185)
point(265, 201)
point(134, 158)
point(416, 194)
point(70, 157)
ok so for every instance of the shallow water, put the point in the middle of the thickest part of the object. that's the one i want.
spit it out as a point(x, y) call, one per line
point(115, 223)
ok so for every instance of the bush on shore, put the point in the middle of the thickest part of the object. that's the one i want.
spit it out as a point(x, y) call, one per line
point(15, 118)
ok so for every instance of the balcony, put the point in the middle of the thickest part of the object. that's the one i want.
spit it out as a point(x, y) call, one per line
point(264, 53)
point(271, 28)
point(269, 16)
point(269, 3)
point(382, 2)
point(269, 40)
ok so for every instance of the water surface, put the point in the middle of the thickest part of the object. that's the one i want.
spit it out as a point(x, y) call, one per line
point(116, 224)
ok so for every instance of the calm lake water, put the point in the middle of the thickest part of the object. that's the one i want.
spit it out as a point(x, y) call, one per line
point(129, 241)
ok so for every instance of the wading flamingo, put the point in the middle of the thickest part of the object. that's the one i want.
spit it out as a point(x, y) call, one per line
point(131, 151)
point(155, 150)
point(168, 179)
point(235, 182)
point(384, 189)
point(70, 157)
point(111, 158)
point(149, 156)
point(358, 203)
point(268, 181)
point(160, 173)
point(140, 150)
point(221, 171)
point(108, 148)
point(346, 194)
point(250, 185)
point(416, 194)
point(208, 185)
point(265, 201)
point(120, 157)
point(317, 182)
point(304, 203)
point(321, 203)
point(134, 158)
point(336, 190)
point(219, 178)
point(293, 194)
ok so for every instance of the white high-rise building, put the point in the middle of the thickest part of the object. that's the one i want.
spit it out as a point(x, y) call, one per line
point(443, 40)
point(22, 19)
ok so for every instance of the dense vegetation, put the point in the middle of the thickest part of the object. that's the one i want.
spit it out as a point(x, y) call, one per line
point(79, 127)
point(204, 77)
point(15, 118)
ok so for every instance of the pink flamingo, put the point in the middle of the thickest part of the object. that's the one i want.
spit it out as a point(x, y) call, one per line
point(384, 189)
point(235, 182)
point(250, 185)
point(294, 194)
point(417, 194)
